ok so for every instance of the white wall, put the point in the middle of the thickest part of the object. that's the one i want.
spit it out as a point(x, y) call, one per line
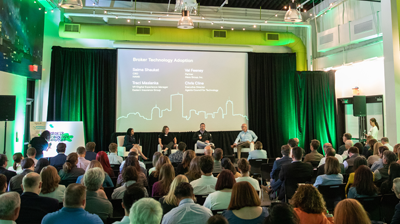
point(13, 85)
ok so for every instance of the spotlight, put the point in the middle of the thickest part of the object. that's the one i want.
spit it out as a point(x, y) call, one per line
point(105, 12)
point(232, 28)
point(285, 7)
point(202, 17)
point(212, 23)
point(45, 12)
point(276, 15)
point(138, 22)
point(116, 17)
point(310, 14)
point(305, 10)
point(222, 27)
point(128, 20)
point(265, 21)
point(148, 21)
point(40, 8)
point(159, 18)
point(52, 10)
point(244, 29)
point(254, 26)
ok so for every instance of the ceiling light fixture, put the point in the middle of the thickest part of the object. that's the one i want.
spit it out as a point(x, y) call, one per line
point(254, 26)
point(116, 17)
point(138, 22)
point(222, 27)
point(265, 21)
point(185, 22)
point(71, 4)
point(128, 20)
point(148, 21)
point(276, 15)
point(212, 23)
point(292, 15)
point(244, 29)
point(105, 12)
point(232, 28)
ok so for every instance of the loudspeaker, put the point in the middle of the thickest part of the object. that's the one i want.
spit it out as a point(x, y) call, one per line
point(359, 106)
point(7, 108)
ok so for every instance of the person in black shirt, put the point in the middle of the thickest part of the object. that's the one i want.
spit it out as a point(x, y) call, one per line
point(203, 138)
point(40, 144)
point(166, 140)
point(130, 141)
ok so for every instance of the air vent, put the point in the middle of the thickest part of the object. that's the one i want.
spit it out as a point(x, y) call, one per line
point(143, 31)
point(219, 34)
point(326, 39)
point(74, 28)
point(272, 36)
point(363, 27)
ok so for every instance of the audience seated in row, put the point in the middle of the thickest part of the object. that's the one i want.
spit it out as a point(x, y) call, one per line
point(349, 162)
point(221, 198)
point(228, 165)
point(183, 167)
point(132, 194)
point(343, 148)
point(363, 185)
point(3, 184)
point(330, 152)
point(372, 153)
point(156, 156)
point(113, 157)
point(379, 163)
point(276, 168)
point(9, 207)
point(15, 182)
point(31, 153)
point(218, 155)
point(130, 177)
point(90, 153)
point(70, 172)
point(132, 160)
point(258, 152)
point(17, 165)
point(394, 172)
point(94, 163)
point(42, 162)
point(169, 201)
point(50, 184)
point(194, 172)
point(382, 174)
point(167, 175)
point(59, 160)
point(206, 183)
point(332, 174)
point(361, 160)
point(82, 162)
point(3, 168)
point(244, 168)
point(134, 152)
point(314, 157)
point(325, 148)
point(103, 159)
point(177, 156)
point(348, 144)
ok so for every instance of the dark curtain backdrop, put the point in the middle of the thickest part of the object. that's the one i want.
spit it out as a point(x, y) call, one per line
point(83, 88)
point(284, 104)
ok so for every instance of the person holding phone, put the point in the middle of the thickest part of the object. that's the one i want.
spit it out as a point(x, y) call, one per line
point(203, 138)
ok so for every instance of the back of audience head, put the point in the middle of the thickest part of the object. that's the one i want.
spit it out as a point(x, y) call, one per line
point(131, 161)
point(243, 165)
point(348, 144)
point(308, 199)
point(389, 157)
point(376, 148)
point(167, 175)
point(396, 187)
point(371, 144)
point(103, 159)
point(75, 196)
point(181, 146)
point(381, 149)
point(297, 153)
point(330, 152)
point(359, 146)
point(346, 136)
point(282, 213)
point(3, 160)
point(326, 145)
point(129, 174)
point(3, 183)
point(363, 181)
point(170, 197)
point(369, 137)
point(218, 154)
point(350, 211)
point(353, 150)
point(112, 148)
point(31, 152)
point(258, 145)
point(285, 150)
point(28, 163)
point(41, 163)
point(61, 147)
point(188, 155)
point(292, 143)
point(225, 180)
point(10, 206)
point(243, 195)
point(156, 156)
point(394, 172)
point(206, 164)
point(50, 179)
point(228, 165)
point(17, 158)
point(32, 183)
point(93, 164)
point(208, 151)
point(132, 194)
point(361, 160)
point(396, 148)
point(161, 161)
point(72, 160)
point(183, 191)
point(90, 146)
point(194, 169)
point(81, 151)
point(146, 210)
point(332, 165)
point(93, 179)
point(385, 140)
point(315, 144)
point(217, 219)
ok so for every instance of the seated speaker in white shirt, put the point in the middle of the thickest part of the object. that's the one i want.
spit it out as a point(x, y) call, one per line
point(221, 198)
point(246, 138)
point(206, 183)
point(244, 168)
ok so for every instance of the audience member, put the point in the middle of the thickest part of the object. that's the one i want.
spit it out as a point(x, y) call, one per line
point(90, 154)
point(293, 142)
point(282, 213)
point(314, 157)
point(3, 168)
point(367, 146)
point(146, 210)
point(363, 185)
point(130, 177)
point(360, 147)
point(134, 153)
point(208, 151)
point(258, 153)
point(218, 155)
point(9, 207)
point(387, 185)
point(103, 159)
point(349, 162)
point(228, 165)
point(350, 211)
point(33, 206)
point(245, 205)
point(94, 163)
point(177, 156)
point(73, 210)
point(361, 160)
point(330, 152)
point(206, 184)
point(82, 162)
point(382, 173)
point(70, 172)
point(169, 201)
point(325, 148)
point(16, 167)
point(31, 153)
point(396, 190)
point(371, 150)
point(375, 157)
point(113, 157)
point(217, 219)
point(385, 142)
point(348, 144)
point(276, 168)
point(43, 162)
point(96, 200)
point(396, 149)
point(194, 172)
point(3, 183)
point(183, 167)
point(50, 186)
point(309, 206)
point(378, 164)
point(342, 148)
point(187, 211)
point(244, 168)
point(59, 160)
point(133, 161)
point(332, 174)
point(156, 156)
point(293, 173)
point(221, 198)
point(40, 143)
point(16, 181)
point(167, 175)
point(132, 194)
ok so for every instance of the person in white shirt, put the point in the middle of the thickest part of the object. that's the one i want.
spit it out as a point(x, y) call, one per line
point(374, 129)
point(206, 183)
point(247, 139)
point(348, 144)
point(31, 153)
point(16, 167)
point(221, 198)
point(132, 194)
point(337, 156)
point(9, 207)
point(258, 153)
point(82, 162)
point(244, 169)
point(113, 156)
point(385, 142)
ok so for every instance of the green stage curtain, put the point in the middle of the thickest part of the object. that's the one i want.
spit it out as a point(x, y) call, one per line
point(83, 88)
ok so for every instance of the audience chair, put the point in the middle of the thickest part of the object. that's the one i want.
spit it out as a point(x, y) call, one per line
point(121, 148)
point(117, 206)
point(372, 206)
point(215, 212)
point(200, 199)
point(332, 194)
point(114, 180)
point(388, 204)
point(111, 220)
point(109, 191)
point(266, 171)
point(256, 166)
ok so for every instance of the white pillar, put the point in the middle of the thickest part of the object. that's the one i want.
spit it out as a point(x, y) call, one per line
point(391, 52)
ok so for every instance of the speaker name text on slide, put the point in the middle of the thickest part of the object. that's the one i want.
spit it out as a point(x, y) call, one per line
point(181, 89)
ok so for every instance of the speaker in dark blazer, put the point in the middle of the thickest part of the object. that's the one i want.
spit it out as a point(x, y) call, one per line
point(292, 174)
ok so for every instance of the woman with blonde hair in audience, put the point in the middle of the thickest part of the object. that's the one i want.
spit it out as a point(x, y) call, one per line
point(194, 172)
point(167, 175)
point(154, 176)
point(70, 172)
point(245, 205)
point(183, 167)
point(50, 186)
point(309, 205)
point(169, 201)
point(221, 198)
point(350, 211)
point(156, 156)
point(396, 149)
point(133, 161)
point(332, 174)
point(94, 163)
point(16, 167)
